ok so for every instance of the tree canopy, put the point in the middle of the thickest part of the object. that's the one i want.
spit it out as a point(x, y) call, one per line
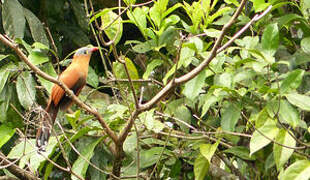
point(178, 89)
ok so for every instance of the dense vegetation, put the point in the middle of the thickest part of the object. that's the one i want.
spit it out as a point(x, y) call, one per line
point(179, 89)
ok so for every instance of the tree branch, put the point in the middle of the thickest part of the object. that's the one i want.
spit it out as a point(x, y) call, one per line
point(36, 70)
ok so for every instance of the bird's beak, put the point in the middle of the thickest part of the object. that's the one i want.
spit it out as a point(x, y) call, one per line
point(94, 49)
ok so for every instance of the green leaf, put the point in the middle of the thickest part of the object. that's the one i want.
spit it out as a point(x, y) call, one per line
point(231, 115)
point(36, 28)
point(208, 101)
point(151, 66)
point(201, 167)
point(194, 87)
point(73, 118)
point(49, 69)
point(292, 81)
point(270, 39)
point(186, 55)
point(4, 74)
point(3, 56)
point(114, 31)
point(259, 5)
point(184, 114)
point(130, 144)
point(80, 166)
point(282, 154)
point(138, 16)
point(144, 47)
point(289, 114)
point(25, 87)
point(13, 19)
point(150, 157)
point(27, 152)
point(299, 100)
point(223, 80)
point(258, 141)
point(241, 152)
point(148, 119)
point(120, 70)
point(208, 150)
point(305, 45)
point(299, 170)
point(6, 133)
point(92, 78)
point(37, 57)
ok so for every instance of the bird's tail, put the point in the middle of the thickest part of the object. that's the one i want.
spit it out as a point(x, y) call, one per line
point(46, 125)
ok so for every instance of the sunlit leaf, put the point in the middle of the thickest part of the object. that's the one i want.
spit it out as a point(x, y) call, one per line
point(299, 170)
point(292, 81)
point(299, 100)
point(201, 167)
point(258, 140)
point(282, 154)
point(112, 25)
point(6, 133)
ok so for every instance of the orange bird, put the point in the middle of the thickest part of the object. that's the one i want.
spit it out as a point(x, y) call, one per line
point(74, 77)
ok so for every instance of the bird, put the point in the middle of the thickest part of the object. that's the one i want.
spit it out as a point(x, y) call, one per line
point(74, 77)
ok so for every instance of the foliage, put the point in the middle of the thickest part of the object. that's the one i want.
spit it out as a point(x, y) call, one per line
point(247, 111)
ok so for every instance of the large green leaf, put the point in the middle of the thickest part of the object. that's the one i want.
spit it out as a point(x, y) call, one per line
point(151, 156)
point(112, 25)
point(80, 166)
point(184, 114)
point(292, 81)
point(36, 57)
point(208, 150)
point(270, 39)
point(138, 16)
point(230, 117)
point(25, 87)
point(258, 141)
point(297, 171)
point(201, 167)
point(288, 114)
point(4, 74)
point(282, 154)
point(305, 45)
point(299, 100)
point(13, 18)
point(194, 87)
point(6, 133)
point(27, 151)
point(36, 28)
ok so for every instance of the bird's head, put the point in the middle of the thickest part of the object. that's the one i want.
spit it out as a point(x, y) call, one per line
point(85, 51)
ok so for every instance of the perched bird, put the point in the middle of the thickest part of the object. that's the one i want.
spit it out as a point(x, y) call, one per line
point(74, 77)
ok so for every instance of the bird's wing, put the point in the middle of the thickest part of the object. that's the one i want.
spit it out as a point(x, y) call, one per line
point(73, 79)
